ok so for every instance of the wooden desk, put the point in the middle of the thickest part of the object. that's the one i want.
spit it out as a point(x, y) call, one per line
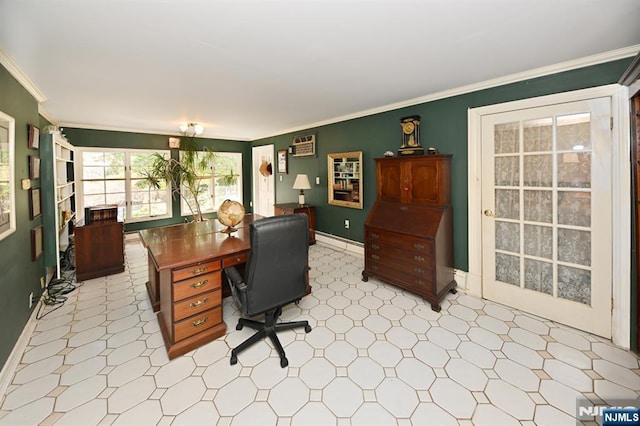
point(159, 236)
point(185, 279)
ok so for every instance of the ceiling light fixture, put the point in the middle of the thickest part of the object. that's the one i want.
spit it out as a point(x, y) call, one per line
point(191, 129)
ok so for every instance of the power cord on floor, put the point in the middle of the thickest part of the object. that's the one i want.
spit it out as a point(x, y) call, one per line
point(57, 289)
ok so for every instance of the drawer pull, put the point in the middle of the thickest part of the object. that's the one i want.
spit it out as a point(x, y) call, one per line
point(199, 270)
point(199, 284)
point(374, 235)
point(418, 258)
point(418, 270)
point(199, 302)
point(420, 283)
point(375, 246)
point(375, 257)
point(199, 322)
point(419, 246)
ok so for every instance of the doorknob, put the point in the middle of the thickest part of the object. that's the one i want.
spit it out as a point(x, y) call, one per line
point(488, 213)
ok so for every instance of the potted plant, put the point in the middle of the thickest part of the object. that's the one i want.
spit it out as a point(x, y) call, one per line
point(183, 174)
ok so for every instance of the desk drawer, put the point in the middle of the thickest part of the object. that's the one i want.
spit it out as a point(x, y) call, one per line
point(196, 324)
point(236, 259)
point(195, 270)
point(196, 285)
point(197, 304)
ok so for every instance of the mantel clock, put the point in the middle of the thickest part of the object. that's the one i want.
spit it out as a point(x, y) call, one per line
point(410, 136)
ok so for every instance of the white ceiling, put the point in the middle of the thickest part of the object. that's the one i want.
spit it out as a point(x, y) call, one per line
point(248, 69)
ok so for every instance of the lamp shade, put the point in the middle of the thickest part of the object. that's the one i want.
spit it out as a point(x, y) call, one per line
point(302, 182)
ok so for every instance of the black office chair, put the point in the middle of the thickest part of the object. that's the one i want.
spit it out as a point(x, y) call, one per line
point(275, 275)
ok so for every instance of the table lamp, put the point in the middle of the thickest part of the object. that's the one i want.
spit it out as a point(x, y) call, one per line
point(301, 183)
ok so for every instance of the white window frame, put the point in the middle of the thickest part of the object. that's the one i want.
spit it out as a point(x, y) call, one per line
point(186, 212)
point(128, 192)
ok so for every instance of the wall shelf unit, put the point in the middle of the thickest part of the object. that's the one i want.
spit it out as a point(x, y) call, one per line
point(58, 197)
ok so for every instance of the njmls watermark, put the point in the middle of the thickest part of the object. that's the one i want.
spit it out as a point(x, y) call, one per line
point(614, 412)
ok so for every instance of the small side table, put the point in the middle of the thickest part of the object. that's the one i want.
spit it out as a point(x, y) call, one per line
point(291, 208)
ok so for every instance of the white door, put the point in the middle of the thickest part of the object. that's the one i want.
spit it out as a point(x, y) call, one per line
point(546, 199)
point(263, 181)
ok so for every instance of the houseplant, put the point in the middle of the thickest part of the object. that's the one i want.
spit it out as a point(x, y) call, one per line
point(183, 174)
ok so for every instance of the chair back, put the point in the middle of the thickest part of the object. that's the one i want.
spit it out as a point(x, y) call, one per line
point(276, 271)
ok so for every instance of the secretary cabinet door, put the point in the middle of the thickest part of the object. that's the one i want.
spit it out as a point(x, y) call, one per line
point(389, 174)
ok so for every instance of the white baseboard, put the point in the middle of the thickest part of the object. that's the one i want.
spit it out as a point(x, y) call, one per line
point(461, 280)
point(9, 368)
point(340, 243)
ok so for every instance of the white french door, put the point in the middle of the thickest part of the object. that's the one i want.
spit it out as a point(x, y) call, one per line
point(546, 202)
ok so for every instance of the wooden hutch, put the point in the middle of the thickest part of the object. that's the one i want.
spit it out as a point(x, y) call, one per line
point(409, 231)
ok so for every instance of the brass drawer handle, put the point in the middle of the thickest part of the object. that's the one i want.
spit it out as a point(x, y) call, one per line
point(375, 246)
point(374, 235)
point(419, 246)
point(199, 284)
point(199, 322)
point(418, 258)
point(199, 302)
point(418, 270)
point(199, 270)
point(420, 283)
point(375, 257)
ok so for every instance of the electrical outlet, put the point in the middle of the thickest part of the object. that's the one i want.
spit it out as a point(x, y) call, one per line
point(317, 180)
point(346, 224)
point(42, 283)
point(30, 300)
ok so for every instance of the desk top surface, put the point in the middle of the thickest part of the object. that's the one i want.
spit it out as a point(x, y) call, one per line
point(184, 244)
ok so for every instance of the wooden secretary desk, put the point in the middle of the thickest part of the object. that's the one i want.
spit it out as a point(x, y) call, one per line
point(409, 230)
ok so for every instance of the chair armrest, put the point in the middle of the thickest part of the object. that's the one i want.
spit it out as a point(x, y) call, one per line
point(234, 278)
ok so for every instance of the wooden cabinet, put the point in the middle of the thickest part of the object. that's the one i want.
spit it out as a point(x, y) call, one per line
point(291, 208)
point(99, 249)
point(409, 230)
point(58, 196)
point(191, 306)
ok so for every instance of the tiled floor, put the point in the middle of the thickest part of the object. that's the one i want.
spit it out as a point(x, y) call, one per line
point(376, 356)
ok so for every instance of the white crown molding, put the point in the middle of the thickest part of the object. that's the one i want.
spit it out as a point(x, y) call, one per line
point(205, 135)
point(600, 58)
point(17, 73)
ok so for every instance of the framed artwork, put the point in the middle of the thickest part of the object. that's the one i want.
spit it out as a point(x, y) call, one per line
point(34, 203)
point(34, 137)
point(7, 175)
point(34, 167)
point(283, 165)
point(36, 242)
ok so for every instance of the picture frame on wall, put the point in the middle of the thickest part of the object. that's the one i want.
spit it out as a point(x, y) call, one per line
point(7, 176)
point(35, 203)
point(283, 161)
point(34, 137)
point(37, 246)
point(34, 167)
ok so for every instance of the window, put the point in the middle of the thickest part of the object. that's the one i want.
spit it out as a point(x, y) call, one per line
point(219, 181)
point(115, 177)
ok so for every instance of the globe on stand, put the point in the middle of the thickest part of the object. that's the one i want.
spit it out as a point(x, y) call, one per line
point(230, 213)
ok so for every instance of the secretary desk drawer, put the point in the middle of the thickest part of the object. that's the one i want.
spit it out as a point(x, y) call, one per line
point(196, 324)
point(403, 241)
point(196, 285)
point(195, 270)
point(197, 304)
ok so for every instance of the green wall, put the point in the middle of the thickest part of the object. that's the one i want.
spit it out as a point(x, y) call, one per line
point(443, 126)
point(19, 275)
point(111, 139)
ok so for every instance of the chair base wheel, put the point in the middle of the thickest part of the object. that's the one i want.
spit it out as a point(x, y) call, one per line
point(233, 360)
point(239, 326)
point(307, 328)
point(284, 362)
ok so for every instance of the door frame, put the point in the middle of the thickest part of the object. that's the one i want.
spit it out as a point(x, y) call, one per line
point(256, 151)
point(621, 199)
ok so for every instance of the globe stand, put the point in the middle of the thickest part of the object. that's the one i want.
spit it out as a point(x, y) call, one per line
point(229, 230)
